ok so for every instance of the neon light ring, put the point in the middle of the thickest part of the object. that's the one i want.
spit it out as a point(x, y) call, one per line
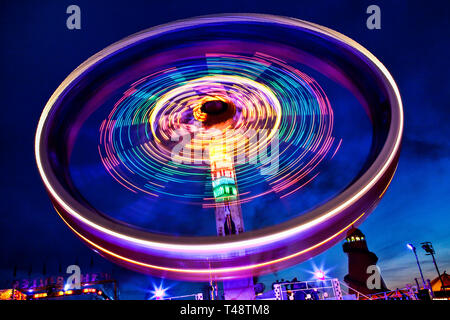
point(112, 121)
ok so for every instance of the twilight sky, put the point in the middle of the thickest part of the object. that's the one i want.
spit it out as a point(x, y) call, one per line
point(38, 51)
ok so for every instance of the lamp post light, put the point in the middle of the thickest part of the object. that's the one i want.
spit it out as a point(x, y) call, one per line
point(428, 247)
point(413, 249)
point(320, 275)
point(159, 292)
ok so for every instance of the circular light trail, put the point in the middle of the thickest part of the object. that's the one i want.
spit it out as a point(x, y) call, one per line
point(164, 110)
point(257, 76)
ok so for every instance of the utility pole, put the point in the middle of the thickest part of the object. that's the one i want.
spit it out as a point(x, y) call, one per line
point(413, 249)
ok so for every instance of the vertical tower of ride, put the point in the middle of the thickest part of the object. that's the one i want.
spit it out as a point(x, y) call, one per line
point(228, 214)
point(218, 114)
point(228, 211)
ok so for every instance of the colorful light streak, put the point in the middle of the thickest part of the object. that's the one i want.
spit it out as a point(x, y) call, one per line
point(286, 103)
point(158, 117)
point(210, 271)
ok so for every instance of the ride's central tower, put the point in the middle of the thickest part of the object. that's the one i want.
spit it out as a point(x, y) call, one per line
point(218, 114)
point(228, 212)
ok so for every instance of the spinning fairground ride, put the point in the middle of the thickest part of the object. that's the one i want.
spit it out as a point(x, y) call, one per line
point(220, 147)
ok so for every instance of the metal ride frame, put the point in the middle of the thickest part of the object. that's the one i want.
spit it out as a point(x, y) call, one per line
point(196, 296)
point(326, 289)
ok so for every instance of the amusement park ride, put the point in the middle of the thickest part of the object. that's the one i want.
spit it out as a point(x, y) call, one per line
point(228, 210)
point(223, 80)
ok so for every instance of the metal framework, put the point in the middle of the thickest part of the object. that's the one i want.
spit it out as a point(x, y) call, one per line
point(327, 289)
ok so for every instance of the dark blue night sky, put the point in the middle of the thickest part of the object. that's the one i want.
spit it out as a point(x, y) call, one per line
point(38, 52)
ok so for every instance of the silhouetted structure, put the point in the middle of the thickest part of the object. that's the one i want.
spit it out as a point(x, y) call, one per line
point(359, 259)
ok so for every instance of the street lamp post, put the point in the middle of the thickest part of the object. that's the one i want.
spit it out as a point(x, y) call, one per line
point(413, 249)
point(428, 247)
